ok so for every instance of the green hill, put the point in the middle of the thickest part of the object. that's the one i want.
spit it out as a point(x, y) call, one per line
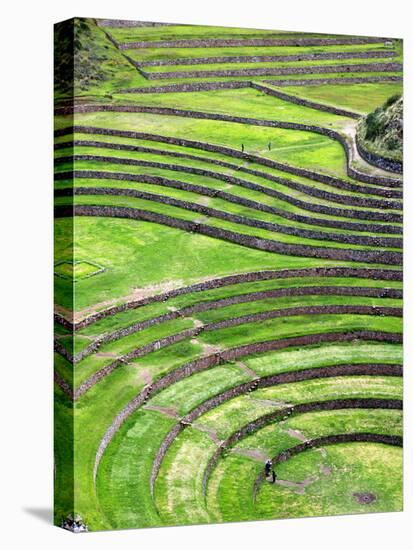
point(381, 131)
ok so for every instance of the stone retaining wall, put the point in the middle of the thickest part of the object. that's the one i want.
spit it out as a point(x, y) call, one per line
point(312, 207)
point(63, 385)
point(332, 181)
point(391, 182)
point(342, 254)
point(271, 71)
point(363, 240)
point(59, 348)
point(221, 43)
point(330, 440)
point(120, 23)
point(365, 202)
point(337, 404)
point(335, 80)
point(362, 273)
point(134, 354)
point(190, 87)
point(205, 86)
point(324, 222)
point(376, 54)
point(236, 321)
point(391, 165)
point(304, 102)
point(232, 300)
point(215, 359)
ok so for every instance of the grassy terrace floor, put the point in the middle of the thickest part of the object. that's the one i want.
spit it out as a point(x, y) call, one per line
point(164, 371)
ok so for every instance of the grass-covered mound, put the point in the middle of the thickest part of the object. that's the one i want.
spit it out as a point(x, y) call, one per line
point(381, 131)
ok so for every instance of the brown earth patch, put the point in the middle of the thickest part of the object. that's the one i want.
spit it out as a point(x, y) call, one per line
point(256, 454)
point(210, 431)
point(167, 411)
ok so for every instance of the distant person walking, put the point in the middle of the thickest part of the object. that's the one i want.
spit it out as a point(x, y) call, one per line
point(267, 467)
point(242, 147)
point(269, 146)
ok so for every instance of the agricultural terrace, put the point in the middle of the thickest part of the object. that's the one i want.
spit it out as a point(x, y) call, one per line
point(227, 276)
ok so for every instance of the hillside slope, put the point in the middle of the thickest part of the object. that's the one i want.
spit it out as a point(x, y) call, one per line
point(382, 130)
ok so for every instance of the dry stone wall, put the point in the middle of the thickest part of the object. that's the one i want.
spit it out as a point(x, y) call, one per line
point(391, 182)
point(391, 165)
point(231, 300)
point(362, 273)
point(345, 254)
point(363, 240)
point(365, 202)
point(229, 355)
point(375, 54)
point(224, 42)
point(269, 71)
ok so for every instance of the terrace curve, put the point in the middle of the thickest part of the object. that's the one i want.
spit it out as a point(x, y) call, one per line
point(362, 273)
point(367, 256)
point(363, 240)
point(224, 302)
point(393, 440)
point(269, 381)
point(333, 134)
point(216, 359)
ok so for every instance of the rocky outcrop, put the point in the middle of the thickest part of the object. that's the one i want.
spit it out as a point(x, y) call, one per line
point(379, 138)
point(384, 163)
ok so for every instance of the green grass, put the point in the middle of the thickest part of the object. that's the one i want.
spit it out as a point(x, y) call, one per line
point(150, 54)
point(80, 269)
point(261, 65)
point(298, 325)
point(101, 262)
point(189, 215)
point(125, 246)
point(236, 504)
point(254, 138)
point(363, 98)
point(174, 32)
point(177, 172)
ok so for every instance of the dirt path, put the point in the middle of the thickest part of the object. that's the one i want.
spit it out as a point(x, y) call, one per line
point(350, 130)
point(247, 370)
point(255, 454)
point(210, 431)
point(167, 411)
point(136, 294)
